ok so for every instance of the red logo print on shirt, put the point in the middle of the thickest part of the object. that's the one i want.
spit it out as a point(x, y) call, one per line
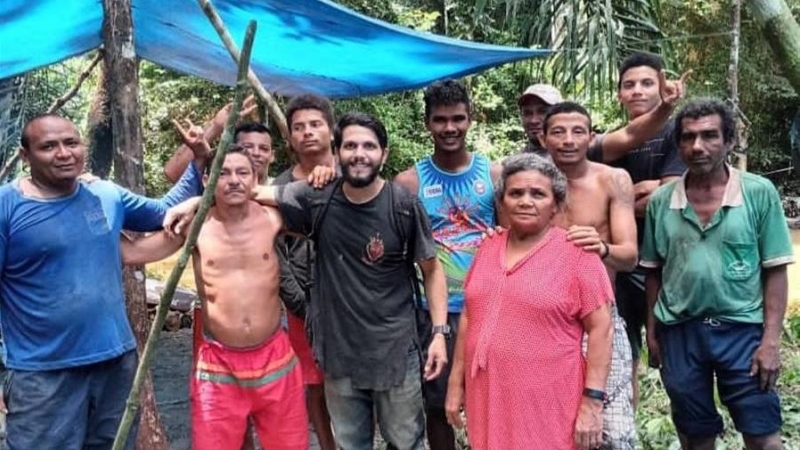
point(374, 250)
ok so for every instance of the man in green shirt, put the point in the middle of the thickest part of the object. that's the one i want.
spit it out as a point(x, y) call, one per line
point(718, 245)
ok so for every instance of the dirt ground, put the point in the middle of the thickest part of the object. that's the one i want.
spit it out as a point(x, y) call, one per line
point(171, 381)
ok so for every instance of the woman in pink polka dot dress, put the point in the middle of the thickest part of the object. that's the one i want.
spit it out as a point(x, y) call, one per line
point(529, 297)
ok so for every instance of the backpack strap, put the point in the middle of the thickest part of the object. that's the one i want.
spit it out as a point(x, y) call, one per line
point(317, 215)
point(318, 212)
point(402, 213)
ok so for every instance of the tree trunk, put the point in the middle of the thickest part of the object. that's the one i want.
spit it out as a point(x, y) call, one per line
point(783, 34)
point(101, 140)
point(740, 147)
point(122, 87)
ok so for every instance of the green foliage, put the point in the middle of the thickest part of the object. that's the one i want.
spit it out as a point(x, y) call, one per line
point(767, 101)
point(44, 86)
point(655, 427)
point(166, 96)
point(590, 38)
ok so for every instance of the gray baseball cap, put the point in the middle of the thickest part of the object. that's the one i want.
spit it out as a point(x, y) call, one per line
point(547, 92)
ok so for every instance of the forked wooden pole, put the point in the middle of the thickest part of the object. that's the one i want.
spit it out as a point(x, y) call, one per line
point(132, 405)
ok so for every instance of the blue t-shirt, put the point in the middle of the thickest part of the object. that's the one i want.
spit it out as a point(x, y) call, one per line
point(61, 288)
point(461, 207)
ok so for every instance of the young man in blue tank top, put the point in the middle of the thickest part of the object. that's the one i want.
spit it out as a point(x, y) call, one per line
point(456, 190)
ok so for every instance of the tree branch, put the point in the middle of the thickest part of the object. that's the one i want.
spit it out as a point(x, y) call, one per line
point(259, 89)
point(61, 101)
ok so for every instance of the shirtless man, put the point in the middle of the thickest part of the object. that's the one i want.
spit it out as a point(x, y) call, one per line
point(599, 217)
point(245, 364)
point(310, 119)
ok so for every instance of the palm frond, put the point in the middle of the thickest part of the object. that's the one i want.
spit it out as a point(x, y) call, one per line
point(590, 37)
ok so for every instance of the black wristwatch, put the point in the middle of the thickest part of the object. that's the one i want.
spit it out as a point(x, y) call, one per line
point(444, 330)
point(595, 394)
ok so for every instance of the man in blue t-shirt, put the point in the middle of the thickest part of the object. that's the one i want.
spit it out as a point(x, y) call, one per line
point(71, 352)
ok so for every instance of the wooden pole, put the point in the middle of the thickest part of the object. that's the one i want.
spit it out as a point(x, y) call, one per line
point(259, 89)
point(740, 148)
point(172, 282)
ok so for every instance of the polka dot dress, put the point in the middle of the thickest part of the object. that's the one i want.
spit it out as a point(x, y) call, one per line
point(524, 367)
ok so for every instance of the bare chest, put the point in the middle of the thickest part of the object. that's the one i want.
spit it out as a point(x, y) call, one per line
point(231, 248)
point(587, 205)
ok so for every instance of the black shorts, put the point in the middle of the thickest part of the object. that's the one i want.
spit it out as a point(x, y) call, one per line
point(632, 307)
point(435, 391)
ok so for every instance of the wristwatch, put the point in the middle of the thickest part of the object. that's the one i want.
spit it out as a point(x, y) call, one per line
point(444, 330)
point(594, 394)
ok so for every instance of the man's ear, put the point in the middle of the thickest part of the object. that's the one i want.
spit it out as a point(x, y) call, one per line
point(205, 180)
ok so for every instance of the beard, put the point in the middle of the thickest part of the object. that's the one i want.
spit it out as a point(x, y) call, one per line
point(360, 181)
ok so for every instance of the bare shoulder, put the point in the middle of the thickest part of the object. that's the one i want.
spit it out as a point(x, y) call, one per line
point(495, 171)
point(271, 213)
point(408, 179)
point(619, 183)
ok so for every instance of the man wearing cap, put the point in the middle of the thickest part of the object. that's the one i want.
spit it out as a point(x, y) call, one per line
point(533, 104)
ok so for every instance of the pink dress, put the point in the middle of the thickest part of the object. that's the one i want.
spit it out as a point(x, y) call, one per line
point(524, 367)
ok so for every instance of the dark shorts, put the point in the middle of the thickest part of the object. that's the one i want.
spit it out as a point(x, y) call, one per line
point(692, 354)
point(632, 307)
point(70, 409)
point(435, 391)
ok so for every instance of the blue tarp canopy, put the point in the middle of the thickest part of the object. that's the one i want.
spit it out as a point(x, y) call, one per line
point(301, 45)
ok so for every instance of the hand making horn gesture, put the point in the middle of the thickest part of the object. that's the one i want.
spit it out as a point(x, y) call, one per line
point(194, 138)
point(672, 91)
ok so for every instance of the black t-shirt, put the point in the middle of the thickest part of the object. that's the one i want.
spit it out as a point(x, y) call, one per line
point(534, 147)
point(362, 315)
point(657, 158)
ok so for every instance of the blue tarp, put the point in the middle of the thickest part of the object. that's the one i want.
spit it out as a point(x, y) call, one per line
point(301, 45)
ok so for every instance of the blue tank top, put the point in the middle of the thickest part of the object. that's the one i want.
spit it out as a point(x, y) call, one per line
point(461, 207)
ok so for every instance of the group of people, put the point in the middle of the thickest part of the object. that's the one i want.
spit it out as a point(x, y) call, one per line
point(511, 294)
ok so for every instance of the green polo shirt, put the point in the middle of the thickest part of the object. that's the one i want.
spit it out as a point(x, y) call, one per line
point(715, 271)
